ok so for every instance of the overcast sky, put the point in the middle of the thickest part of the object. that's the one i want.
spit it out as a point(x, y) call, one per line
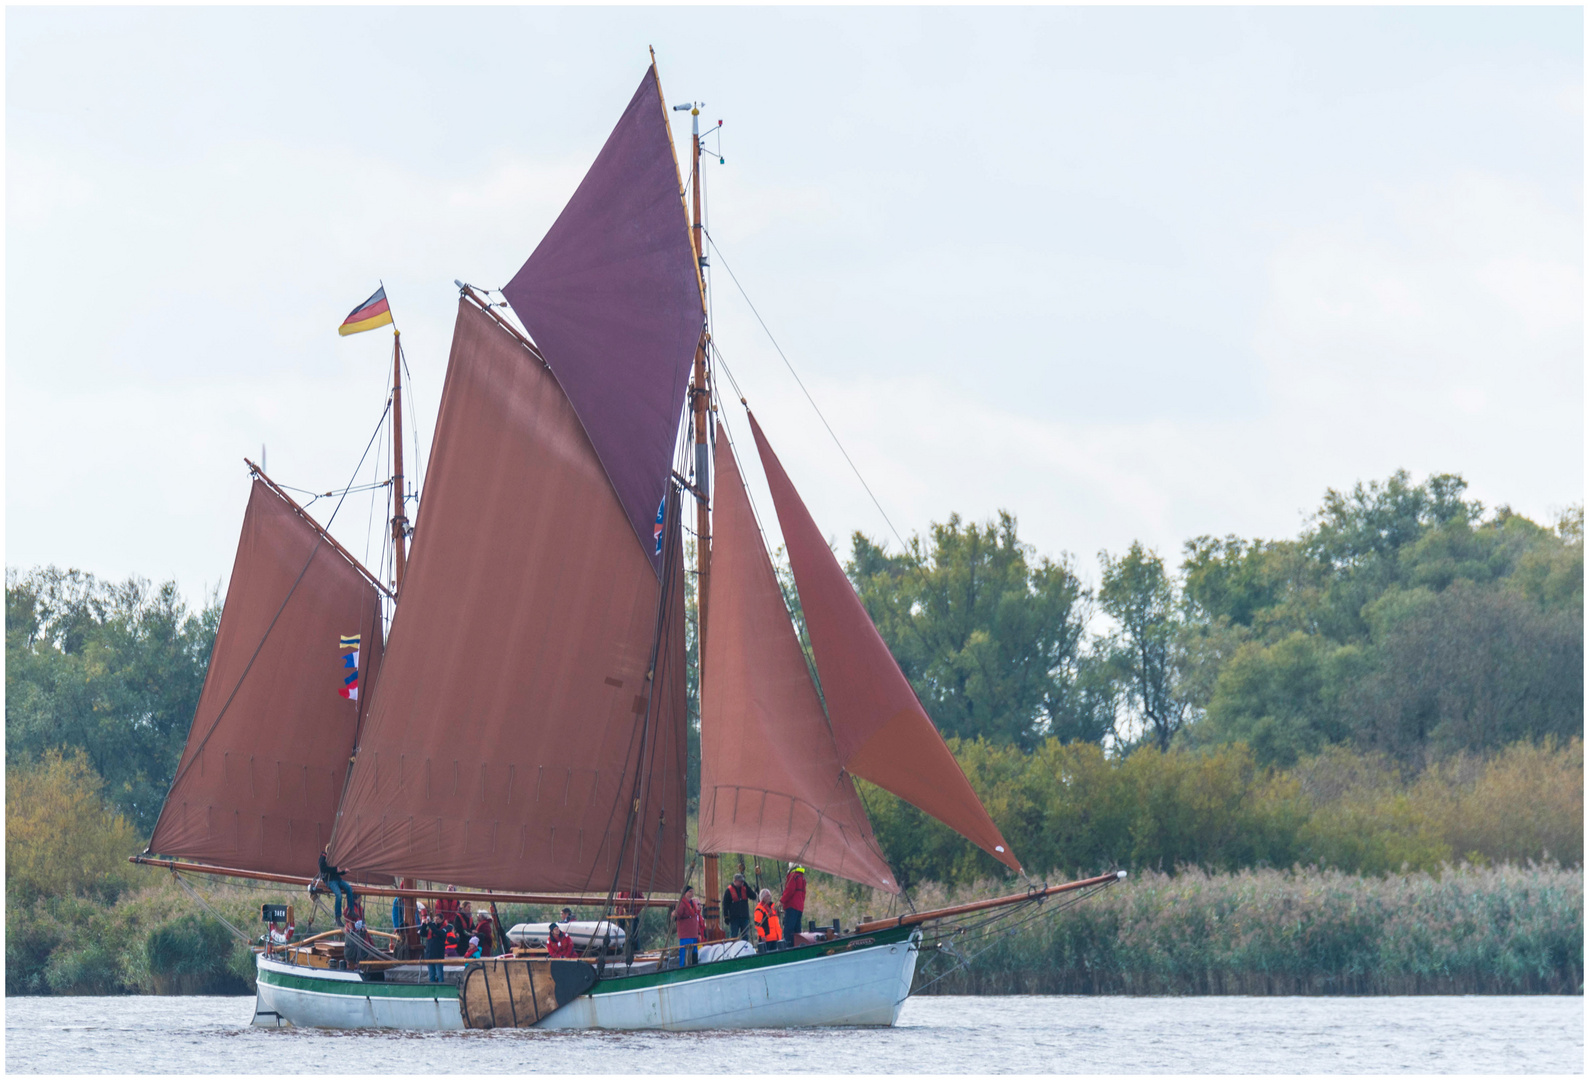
point(1127, 273)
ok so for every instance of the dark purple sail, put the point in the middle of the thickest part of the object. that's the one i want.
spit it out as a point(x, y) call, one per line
point(613, 300)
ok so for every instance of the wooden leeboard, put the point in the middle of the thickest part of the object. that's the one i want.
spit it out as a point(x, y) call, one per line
point(519, 993)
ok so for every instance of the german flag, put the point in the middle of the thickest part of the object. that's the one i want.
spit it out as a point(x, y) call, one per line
point(368, 315)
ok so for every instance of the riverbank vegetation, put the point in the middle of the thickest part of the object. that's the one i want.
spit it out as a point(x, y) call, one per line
point(1384, 712)
point(1466, 930)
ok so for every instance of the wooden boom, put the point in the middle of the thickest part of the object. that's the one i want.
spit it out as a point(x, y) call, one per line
point(569, 900)
point(982, 905)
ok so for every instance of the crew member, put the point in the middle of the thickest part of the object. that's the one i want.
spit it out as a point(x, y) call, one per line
point(736, 906)
point(435, 937)
point(355, 942)
point(794, 903)
point(279, 936)
point(485, 930)
point(768, 929)
point(559, 946)
point(688, 918)
point(333, 881)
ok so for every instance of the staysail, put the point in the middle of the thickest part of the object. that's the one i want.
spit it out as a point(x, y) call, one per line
point(881, 731)
point(612, 298)
point(259, 779)
point(771, 781)
point(502, 746)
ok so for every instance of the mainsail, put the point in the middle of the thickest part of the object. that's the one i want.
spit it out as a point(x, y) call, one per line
point(259, 779)
point(612, 297)
point(880, 728)
point(771, 781)
point(530, 658)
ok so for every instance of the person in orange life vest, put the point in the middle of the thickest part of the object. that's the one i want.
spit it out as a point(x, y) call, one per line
point(452, 939)
point(559, 946)
point(736, 906)
point(793, 902)
point(766, 919)
point(690, 923)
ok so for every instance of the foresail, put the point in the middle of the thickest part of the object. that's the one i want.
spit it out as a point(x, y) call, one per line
point(613, 299)
point(881, 731)
point(771, 781)
point(502, 748)
point(259, 779)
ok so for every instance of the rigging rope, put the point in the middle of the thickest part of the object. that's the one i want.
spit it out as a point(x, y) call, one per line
point(207, 906)
point(806, 392)
point(1038, 910)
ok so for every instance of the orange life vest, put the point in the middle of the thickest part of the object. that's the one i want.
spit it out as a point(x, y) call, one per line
point(767, 924)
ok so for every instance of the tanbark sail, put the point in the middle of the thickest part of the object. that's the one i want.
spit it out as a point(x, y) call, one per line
point(771, 780)
point(881, 731)
point(612, 298)
point(502, 752)
point(259, 779)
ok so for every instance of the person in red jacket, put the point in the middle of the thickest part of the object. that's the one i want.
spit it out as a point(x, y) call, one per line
point(559, 946)
point(793, 903)
point(690, 923)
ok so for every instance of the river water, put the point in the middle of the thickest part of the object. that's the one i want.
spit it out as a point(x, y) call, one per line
point(935, 1035)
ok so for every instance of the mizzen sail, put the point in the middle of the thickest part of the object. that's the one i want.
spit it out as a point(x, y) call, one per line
point(502, 745)
point(259, 779)
point(771, 781)
point(881, 731)
point(612, 297)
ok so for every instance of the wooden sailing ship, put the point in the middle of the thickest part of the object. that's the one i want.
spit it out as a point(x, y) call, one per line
point(544, 596)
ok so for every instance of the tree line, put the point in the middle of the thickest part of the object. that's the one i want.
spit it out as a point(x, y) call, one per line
point(1405, 631)
point(1404, 620)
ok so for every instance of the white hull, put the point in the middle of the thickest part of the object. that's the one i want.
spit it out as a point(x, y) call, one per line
point(288, 995)
point(863, 988)
point(860, 987)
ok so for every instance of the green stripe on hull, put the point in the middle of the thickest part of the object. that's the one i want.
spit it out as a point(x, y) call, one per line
point(624, 984)
point(616, 985)
point(439, 991)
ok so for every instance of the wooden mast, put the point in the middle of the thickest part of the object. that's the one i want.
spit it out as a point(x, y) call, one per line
point(399, 539)
point(700, 400)
point(399, 518)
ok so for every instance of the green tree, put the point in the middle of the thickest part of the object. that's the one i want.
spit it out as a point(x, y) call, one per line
point(1285, 700)
point(1402, 619)
point(989, 634)
point(1140, 596)
point(112, 670)
point(1471, 668)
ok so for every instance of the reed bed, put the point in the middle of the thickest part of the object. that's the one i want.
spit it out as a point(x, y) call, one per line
point(1465, 930)
point(1502, 930)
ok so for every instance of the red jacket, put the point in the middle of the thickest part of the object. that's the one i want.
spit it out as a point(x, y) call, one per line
point(688, 916)
point(560, 948)
point(794, 893)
